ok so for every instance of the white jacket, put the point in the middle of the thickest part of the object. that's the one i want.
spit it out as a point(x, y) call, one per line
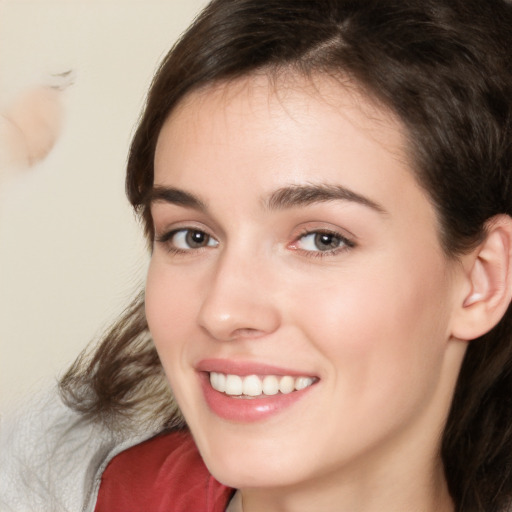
point(50, 461)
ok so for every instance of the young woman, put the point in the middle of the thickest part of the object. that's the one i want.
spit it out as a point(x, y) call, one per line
point(325, 187)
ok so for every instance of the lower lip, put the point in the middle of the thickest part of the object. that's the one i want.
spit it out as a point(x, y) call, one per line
point(247, 410)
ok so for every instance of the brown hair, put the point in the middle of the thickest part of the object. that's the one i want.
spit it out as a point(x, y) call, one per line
point(445, 68)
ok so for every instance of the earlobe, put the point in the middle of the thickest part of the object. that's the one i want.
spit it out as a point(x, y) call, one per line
point(489, 281)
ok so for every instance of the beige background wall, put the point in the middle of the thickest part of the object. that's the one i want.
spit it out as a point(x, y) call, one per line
point(71, 254)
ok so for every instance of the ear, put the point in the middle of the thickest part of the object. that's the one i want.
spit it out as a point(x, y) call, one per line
point(487, 289)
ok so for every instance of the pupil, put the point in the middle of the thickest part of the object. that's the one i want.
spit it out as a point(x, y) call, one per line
point(196, 238)
point(325, 241)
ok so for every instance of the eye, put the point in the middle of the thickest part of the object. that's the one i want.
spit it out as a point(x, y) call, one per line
point(322, 242)
point(181, 240)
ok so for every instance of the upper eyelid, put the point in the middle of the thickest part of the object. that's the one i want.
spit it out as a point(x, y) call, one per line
point(164, 221)
point(325, 227)
point(347, 241)
point(169, 233)
point(331, 231)
point(316, 195)
point(169, 227)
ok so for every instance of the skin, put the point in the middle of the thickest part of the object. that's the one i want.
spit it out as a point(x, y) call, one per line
point(371, 320)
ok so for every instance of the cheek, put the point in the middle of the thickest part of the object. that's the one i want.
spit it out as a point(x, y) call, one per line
point(169, 309)
point(381, 328)
point(170, 313)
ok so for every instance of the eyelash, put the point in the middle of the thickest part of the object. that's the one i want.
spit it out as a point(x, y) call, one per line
point(345, 243)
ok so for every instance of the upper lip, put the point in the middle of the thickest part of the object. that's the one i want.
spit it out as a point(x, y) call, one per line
point(244, 368)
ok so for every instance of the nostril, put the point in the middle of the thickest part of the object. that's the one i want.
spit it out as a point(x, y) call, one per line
point(247, 333)
point(236, 334)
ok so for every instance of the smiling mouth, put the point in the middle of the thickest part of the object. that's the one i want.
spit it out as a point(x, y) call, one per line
point(254, 386)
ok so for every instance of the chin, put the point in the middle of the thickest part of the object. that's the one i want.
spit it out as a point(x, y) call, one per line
point(252, 460)
point(243, 474)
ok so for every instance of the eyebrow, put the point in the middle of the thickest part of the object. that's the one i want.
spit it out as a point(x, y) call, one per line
point(291, 196)
point(302, 195)
point(161, 194)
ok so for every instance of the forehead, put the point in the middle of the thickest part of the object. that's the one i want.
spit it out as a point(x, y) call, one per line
point(277, 111)
point(255, 135)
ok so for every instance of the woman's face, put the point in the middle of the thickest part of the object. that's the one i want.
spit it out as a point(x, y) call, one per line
point(297, 265)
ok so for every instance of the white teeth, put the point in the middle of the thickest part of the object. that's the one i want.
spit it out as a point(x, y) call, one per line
point(303, 382)
point(234, 385)
point(270, 385)
point(218, 381)
point(221, 382)
point(252, 385)
point(286, 384)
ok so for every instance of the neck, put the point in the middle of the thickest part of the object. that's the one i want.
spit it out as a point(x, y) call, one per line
point(387, 490)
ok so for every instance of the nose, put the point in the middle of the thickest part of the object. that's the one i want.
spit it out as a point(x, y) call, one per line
point(238, 302)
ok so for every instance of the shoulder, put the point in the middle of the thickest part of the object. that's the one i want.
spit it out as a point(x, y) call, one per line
point(47, 456)
point(163, 473)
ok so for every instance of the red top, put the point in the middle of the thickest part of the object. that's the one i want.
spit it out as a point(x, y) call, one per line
point(163, 474)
